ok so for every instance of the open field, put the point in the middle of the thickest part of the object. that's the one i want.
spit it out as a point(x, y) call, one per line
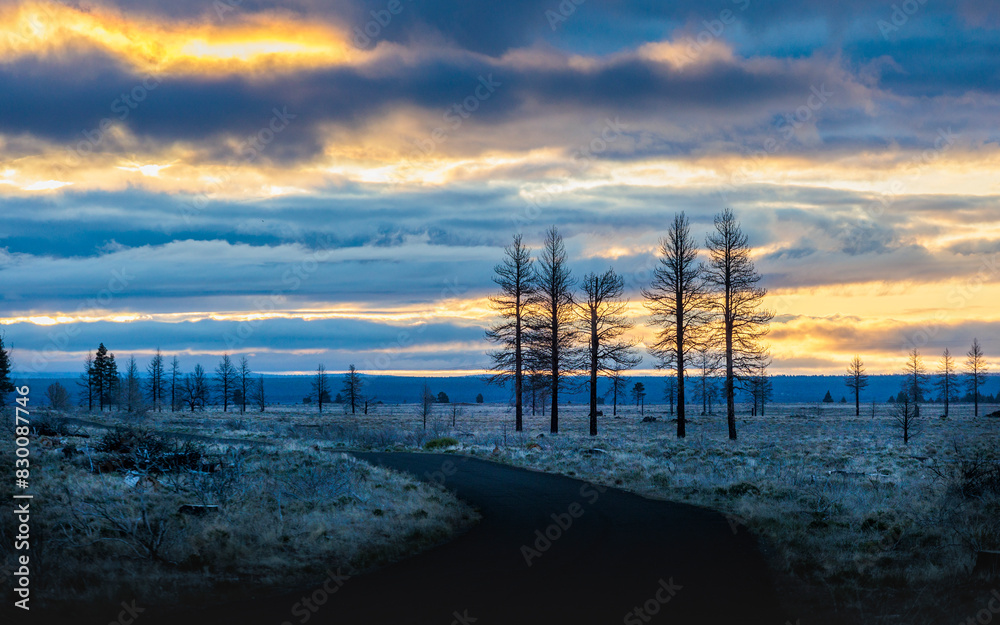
point(858, 527)
point(128, 515)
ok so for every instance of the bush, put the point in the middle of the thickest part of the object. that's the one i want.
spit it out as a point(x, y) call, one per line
point(440, 443)
point(141, 449)
point(978, 476)
point(50, 426)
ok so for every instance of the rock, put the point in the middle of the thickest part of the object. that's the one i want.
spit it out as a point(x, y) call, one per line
point(134, 479)
point(649, 419)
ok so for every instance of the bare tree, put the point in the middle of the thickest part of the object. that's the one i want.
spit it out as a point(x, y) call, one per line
point(738, 302)
point(352, 389)
point(426, 403)
point(259, 398)
point(760, 387)
point(975, 371)
point(670, 392)
point(946, 379)
point(176, 387)
point(195, 391)
point(514, 277)
point(155, 384)
point(602, 317)
point(906, 412)
point(708, 362)
point(619, 386)
point(225, 380)
point(243, 374)
point(58, 396)
point(916, 376)
point(321, 387)
point(553, 335)
point(678, 301)
point(856, 380)
point(538, 386)
point(87, 382)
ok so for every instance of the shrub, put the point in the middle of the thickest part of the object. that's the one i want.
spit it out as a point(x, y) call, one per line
point(141, 449)
point(440, 443)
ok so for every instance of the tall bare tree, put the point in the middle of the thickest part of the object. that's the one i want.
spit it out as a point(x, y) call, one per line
point(243, 374)
point(760, 387)
point(603, 320)
point(906, 414)
point(975, 371)
point(514, 277)
point(321, 387)
point(155, 384)
point(225, 380)
point(258, 396)
point(195, 389)
point(738, 302)
point(86, 382)
point(553, 336)
point(916, 376)
point(678, 301)
point(946, 379)
point(619, 386)
point(856, 380)
point(708, 361)
point(352, 389)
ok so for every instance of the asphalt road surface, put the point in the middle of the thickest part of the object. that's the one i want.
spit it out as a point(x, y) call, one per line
point(549, 550)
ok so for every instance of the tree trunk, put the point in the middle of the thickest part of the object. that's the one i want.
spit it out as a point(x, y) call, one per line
point(680, 362)
point(518, 374)
point(554, 413)
point(594, 347)
point(730, 391)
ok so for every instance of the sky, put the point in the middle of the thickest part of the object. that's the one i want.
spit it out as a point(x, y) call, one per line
point(311, 182)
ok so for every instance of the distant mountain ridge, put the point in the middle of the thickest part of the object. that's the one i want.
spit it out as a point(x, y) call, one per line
point(406, 389)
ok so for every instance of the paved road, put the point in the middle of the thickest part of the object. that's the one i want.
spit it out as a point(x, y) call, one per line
point(610, 557)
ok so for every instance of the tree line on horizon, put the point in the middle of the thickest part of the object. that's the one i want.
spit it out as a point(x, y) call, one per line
point(917, 380)
point(708, 312)
point(102, 385)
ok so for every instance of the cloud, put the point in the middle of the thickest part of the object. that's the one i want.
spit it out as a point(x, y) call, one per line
point(257, 153)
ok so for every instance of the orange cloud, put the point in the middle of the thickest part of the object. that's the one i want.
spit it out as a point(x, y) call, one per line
point(257, 43)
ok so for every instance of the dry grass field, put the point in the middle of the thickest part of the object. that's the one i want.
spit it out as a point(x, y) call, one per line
point(859, 527)
point(129, 515)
